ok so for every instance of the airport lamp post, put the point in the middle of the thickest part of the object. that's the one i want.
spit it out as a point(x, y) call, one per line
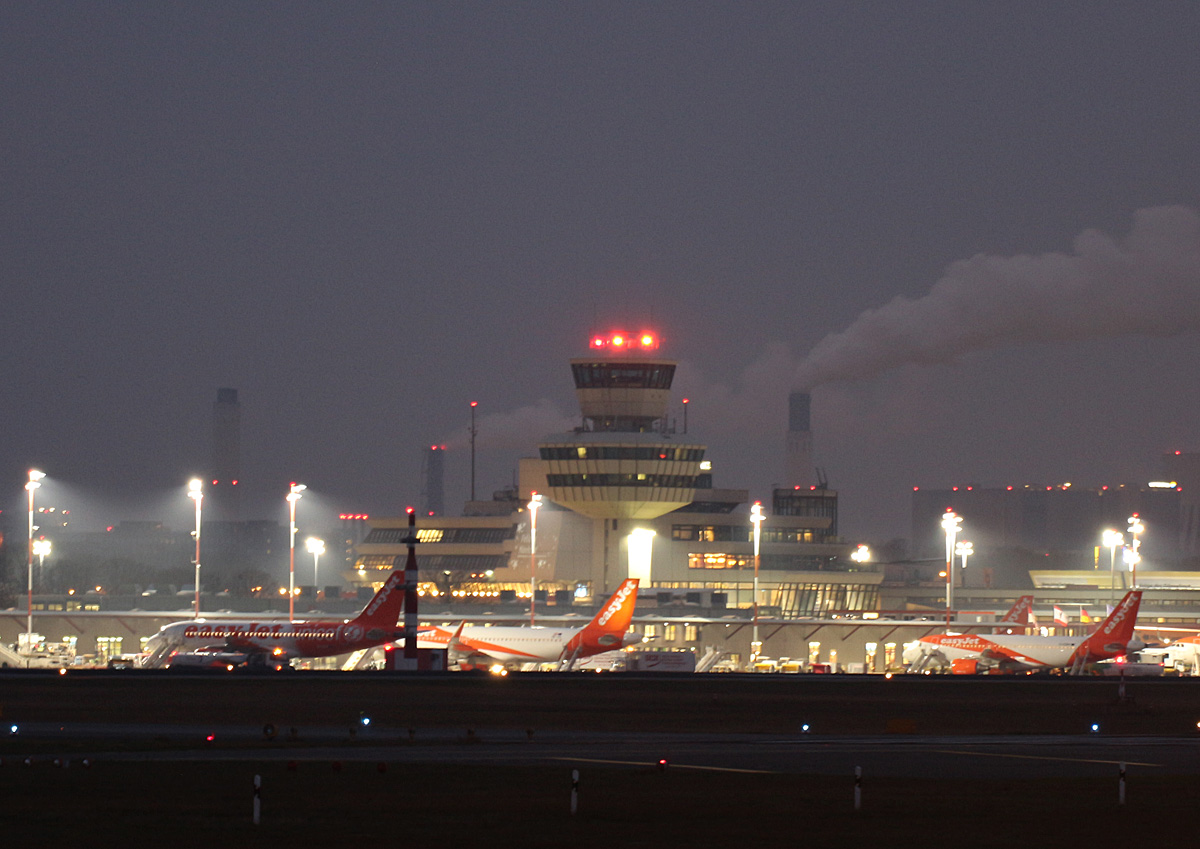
point(35, 481)
point(1112, 540)
point(292, 497)
point(756, 517)
point(196, 493)
point(474, 404)
point(316, 547)
point(1134, 556)
point(41, 547)
point(951, 523)
point(535, 501)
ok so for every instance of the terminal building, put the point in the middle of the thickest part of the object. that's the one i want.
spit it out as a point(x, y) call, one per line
point(626, 494)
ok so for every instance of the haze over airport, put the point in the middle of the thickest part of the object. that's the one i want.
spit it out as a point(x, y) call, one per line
point(970, 229)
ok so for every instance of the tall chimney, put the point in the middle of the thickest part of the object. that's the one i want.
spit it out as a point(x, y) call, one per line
point(434, 494)
point(227, 455)
point(799, 469)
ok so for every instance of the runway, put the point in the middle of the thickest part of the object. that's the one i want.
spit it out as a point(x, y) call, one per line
point(900, 756)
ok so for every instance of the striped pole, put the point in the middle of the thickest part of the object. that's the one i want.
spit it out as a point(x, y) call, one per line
point(574, 791)
point(410, 595)
point(257, 798)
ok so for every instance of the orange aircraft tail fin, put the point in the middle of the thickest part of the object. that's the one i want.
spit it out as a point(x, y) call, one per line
point(384, 609)
point(1112, 638)
point(607, 629)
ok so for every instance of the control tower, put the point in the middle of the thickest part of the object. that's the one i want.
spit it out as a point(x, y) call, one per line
point(625, 462)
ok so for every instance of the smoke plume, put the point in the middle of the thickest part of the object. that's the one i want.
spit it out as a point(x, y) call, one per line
point(1145, 284)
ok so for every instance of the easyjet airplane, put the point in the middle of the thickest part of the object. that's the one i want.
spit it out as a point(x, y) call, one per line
point(969, 653)
point(258, 643)
point(608, 630)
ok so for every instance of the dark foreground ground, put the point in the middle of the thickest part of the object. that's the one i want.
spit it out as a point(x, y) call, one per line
point(170, 800)
point(837, 704)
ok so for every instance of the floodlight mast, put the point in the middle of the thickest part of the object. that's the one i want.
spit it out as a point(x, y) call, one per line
point(196, 493)
point(757, 518)
point(294, 495)
point(35, 481)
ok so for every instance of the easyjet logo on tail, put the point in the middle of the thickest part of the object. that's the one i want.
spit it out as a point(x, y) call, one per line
point(1122, 611)
point(617, 601)
point(384, 592)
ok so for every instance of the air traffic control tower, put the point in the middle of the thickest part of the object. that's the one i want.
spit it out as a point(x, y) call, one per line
point(625, 462)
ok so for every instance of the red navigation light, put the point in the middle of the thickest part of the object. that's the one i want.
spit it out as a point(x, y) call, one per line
point(648, 340)
point(1010, 489)
point(408, 510)
point(685, 400)
point(214, 481)
point(474, 403)
point(598, 342)
point(916, 489)
point(433, 448)
point(233, 483)
point(618, 340)
point(955, 489)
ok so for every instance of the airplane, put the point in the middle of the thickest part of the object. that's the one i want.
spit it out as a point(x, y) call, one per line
point(260, 644)
point(1182, 654)
point(479, 645)
point(971, 653)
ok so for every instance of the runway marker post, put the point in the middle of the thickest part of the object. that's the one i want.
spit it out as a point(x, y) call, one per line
point(574, 791)
point(257, 798)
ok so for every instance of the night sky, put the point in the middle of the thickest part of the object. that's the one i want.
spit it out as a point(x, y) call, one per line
point(980, 218)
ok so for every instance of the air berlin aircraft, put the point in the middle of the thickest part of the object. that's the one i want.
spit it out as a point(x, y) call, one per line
point(608, 630)
point(257, 643)
point(969, 653)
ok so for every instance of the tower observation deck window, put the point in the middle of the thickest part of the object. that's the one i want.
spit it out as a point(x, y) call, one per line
point(674, 481)
point(620, 452)
point(623, 375)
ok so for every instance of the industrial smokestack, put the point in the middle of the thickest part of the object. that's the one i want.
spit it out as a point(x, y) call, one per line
point(799, 471)
point(226, 455)
point(434, 475)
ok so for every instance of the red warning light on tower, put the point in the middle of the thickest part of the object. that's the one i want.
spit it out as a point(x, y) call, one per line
point(620, 340)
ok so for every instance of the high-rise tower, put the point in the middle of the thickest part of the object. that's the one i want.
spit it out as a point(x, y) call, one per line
point(799, 471)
